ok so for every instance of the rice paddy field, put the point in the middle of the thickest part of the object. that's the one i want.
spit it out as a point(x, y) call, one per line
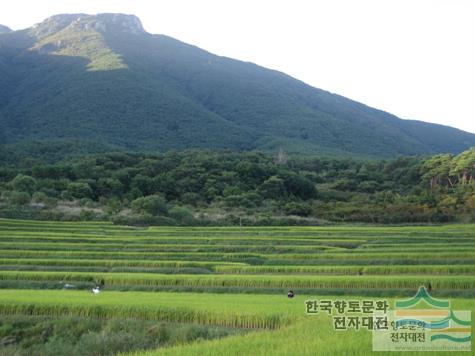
point(229, 278)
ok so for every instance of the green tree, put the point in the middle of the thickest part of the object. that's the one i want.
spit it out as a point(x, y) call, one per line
point(272, 188)
point(19, 198)
point(182, 215)
point(436, 169)
point(151, 204)
point(24, 183)
point(297, 208)
point(463, 166)
point(79, 190)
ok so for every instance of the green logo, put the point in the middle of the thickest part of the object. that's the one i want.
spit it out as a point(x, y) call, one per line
point(422, 295)
point(424, 323)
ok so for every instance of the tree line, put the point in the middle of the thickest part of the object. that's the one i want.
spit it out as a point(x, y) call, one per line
point(224, 187)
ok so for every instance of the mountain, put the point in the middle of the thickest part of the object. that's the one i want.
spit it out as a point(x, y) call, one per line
point(102, 79)
point(4, 29)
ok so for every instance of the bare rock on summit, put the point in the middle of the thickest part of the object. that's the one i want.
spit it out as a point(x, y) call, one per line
point(100, 22)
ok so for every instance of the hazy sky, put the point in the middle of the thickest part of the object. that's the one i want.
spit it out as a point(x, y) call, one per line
point(413, 58)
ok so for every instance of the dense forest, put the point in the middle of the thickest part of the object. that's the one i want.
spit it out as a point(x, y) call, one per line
point(198, 187)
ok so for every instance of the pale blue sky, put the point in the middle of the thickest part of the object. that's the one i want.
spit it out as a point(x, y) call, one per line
point(413, 58)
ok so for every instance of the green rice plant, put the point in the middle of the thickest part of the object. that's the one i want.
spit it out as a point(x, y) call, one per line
point(244, 311)
point(250, 281)
point(350, 270)
point(61, 246)
point(201, 256)
point(114, 263)
point(378, 255)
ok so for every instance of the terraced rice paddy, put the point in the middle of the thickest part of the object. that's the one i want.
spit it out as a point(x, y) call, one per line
point(231, 277)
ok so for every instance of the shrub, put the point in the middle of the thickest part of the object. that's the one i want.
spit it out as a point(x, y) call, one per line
point(80, 190)
point(24, 183)
point(40, 197)
point(86, 215)
point(296, 208)
point(273, 188)
point(19, 198)
point(153, 205)
point(182, 215)
point(143, 220)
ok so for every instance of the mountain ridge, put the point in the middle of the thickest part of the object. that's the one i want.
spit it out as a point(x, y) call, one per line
point(103, 77)
point(5, 29)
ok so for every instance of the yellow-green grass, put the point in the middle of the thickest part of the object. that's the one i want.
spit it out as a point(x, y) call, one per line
point(242, 268)
point(236, 256)
point(62, 246)
point(361, 255)
point(226, 247)
point(295, 334)
point(159, 239)
point(250, 281)
point(351, 259)
point(114, 263)
point(247, 311)
point(349, 270)
point(400, 231)
point(307, 336)
point(311, 337)
point(207, 256)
